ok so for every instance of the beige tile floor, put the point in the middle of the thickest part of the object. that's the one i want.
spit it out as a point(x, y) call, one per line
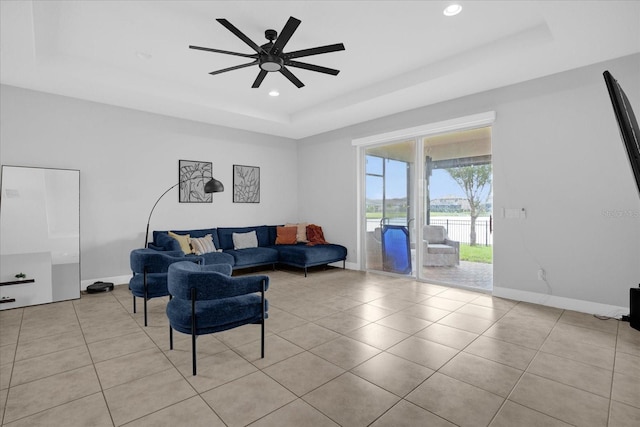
point(343, 348)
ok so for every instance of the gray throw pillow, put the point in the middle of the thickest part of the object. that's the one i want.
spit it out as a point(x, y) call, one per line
point(245, 240)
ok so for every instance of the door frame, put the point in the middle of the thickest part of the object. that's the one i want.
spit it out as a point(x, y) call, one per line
point(446, 126)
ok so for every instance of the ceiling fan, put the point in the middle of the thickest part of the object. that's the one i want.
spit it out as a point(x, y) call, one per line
point(270, 56)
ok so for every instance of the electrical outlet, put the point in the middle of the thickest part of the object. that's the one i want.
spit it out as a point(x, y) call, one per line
point(542, 275)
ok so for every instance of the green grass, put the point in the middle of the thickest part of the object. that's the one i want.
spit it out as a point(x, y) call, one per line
point(478, 253)
point(378, 215)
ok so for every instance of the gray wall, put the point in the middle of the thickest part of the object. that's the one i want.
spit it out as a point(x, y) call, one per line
point(128, 158)
point(557, 153)
point(556, 150)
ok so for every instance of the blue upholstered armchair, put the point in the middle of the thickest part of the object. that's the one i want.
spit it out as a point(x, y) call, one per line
point(206, 299)
point(150, 269)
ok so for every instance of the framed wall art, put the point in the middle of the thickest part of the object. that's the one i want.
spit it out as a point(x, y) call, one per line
point(192, 176)
point(246, 184)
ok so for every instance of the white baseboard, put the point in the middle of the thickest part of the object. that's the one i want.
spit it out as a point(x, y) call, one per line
point(562, 302)
point(121, 280)
point(116, 280)
point(347, 265)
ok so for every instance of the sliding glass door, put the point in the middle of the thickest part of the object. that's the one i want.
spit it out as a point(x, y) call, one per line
point(457, 234)
point(389, 207)
point(431, 219)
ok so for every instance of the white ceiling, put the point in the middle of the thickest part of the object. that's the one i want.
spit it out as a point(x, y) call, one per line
point(399, 55)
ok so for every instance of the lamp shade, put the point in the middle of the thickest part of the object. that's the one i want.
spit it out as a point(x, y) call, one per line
point(213, 186)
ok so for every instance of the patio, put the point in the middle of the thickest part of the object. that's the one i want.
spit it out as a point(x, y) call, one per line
point(472, 275)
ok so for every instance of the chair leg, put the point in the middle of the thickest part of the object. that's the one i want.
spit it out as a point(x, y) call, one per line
point(170, 338)
point(134, 304)
point(262, 326)
point(193, 329)
point(145, 297)
point(193, 351)
point(305, 272)
point(145, 307)
point(262, 342)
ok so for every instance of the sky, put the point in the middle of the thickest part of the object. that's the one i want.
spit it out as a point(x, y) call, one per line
point(441, 183)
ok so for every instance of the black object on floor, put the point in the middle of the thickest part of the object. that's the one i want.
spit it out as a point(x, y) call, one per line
point(99, 287)
point(634, 306)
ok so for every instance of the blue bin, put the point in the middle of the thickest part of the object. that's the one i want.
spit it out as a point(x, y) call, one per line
point(396, 249)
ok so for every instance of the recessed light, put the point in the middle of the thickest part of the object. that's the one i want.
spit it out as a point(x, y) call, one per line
point(274, 93)
point(452, 10)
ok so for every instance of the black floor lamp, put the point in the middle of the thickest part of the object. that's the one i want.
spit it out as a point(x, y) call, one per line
point(212, 186)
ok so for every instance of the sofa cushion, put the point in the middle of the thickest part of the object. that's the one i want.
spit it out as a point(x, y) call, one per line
point(163, 241)
point(244, 240)
point(218, 258)
point(216, 315)
point(202, 245)
point(301, 235)
point(183, 240)
point(434, 233)
point(157, 235)
point(286, 235)
point(438, 248)
point(253, 257)
point(225, 235)
point(302, 255)
point(156, 285)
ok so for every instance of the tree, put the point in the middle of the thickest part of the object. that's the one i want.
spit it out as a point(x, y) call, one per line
point(473, 180)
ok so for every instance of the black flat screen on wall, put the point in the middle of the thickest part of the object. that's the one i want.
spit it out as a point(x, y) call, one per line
point(627, 122)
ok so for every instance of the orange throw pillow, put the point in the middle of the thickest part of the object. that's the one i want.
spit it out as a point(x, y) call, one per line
point(286, 235)
point(315, 235)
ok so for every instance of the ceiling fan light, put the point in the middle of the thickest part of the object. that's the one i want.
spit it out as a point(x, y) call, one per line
point(270, 66)
point(271, 63)
point(452, 10)
point(274, 93)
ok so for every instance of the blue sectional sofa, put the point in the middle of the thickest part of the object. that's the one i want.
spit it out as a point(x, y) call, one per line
point(267, 252)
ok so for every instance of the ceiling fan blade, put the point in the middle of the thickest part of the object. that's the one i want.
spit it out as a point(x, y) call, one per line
point(293, 79)
point(314, 51)
point(284, 36)
point(312, 67)
point(213, 73)
point(209, 49)
point(259, 79)
point(229, 26)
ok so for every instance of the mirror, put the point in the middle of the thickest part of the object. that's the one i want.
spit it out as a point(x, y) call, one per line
point(39, 236)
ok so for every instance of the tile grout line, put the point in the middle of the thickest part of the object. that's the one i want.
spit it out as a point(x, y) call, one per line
point(13, 361)
point(525, 371)
point(95, 371)
point(392, 292)
point(613, 375)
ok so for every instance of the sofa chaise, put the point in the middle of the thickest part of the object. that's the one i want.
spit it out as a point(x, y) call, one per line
point(263, 251)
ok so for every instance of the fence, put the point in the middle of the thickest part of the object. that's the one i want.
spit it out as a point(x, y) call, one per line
point(459, 229)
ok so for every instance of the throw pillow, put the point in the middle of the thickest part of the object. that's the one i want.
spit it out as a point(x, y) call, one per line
point(315, 235)
point(202, 245)
point(183, 239)
point(286, 235)
point(301, 235)
point(245, 240)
